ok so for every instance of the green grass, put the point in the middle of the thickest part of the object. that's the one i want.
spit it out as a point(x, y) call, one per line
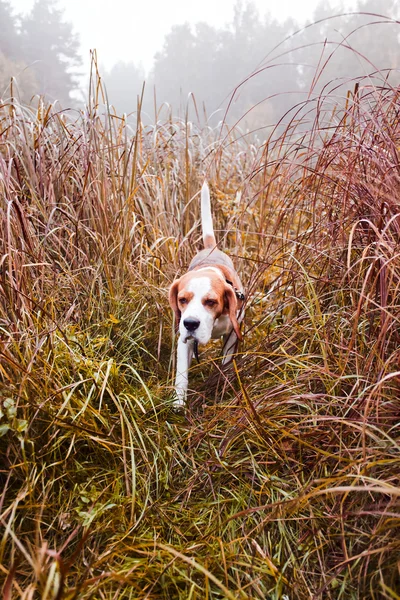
point(282, 478)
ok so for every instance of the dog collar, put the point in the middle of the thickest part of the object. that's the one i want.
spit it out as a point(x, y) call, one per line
point(238, 293)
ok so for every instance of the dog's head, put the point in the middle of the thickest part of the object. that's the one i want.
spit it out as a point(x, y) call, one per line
point(198, 298)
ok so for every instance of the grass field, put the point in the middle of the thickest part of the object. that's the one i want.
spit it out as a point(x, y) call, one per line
point(281, 480)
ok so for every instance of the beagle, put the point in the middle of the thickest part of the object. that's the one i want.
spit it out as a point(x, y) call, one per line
point(207, 302)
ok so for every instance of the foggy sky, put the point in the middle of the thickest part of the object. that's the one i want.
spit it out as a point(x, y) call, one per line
point(134, 31)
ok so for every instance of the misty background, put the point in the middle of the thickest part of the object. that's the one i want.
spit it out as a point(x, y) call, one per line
point(258, 63)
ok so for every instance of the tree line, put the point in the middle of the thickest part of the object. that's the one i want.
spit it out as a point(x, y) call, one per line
point(257, 66)
point(40, 50)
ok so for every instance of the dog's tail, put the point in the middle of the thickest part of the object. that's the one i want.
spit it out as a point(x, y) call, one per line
point(206, 218)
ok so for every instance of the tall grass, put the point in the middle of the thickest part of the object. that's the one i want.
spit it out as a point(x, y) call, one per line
point(282, 478)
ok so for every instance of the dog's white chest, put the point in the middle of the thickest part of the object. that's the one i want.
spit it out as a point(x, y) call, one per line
point(222, 325)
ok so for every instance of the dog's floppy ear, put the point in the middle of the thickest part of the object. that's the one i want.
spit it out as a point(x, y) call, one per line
point(231, 302)
point(173, 300)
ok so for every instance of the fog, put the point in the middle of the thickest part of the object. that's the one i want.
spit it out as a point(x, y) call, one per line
point(259, 58)
point(131, 31)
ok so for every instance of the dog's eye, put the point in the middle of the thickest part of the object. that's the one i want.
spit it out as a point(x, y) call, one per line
point(210, 302)
point(182, 301)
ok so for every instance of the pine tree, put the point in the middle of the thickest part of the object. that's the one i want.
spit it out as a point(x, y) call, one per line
point(12, 65)
point(51, 49)
point(10, 42)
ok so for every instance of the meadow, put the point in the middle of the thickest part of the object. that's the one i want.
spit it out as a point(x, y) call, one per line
point(281, 479)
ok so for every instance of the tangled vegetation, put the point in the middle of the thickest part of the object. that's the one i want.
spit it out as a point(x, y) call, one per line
point(282, 478)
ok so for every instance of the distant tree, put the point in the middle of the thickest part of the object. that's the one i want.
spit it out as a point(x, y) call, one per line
point(10, 41)
point(176, 66)
point(211, 63)
point(388, 8)
point(379, 41)
point(254, 57)
point(340, 49)
point(124, 83)
point(23, 81)
point(12, 66)
point(52, 50)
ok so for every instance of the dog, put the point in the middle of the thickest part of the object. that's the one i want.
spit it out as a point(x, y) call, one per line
point(207, 301)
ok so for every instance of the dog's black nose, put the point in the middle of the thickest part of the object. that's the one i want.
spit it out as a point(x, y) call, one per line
point(191, 324)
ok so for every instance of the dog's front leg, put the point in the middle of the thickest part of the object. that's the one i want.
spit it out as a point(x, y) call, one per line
point(229, 348)
point(231, 343)
point(184, 358)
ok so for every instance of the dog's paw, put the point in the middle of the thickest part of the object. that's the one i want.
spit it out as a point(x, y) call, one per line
point(179, 399)
point(176, 409)
point(179, 403)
